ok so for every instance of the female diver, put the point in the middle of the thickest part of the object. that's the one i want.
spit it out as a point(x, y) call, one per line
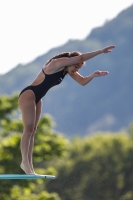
point(30, 98)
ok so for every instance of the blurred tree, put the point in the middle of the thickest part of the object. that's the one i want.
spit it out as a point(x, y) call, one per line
point(18, 193)
point(98, 167)
point(8, 113)
point(8, 105)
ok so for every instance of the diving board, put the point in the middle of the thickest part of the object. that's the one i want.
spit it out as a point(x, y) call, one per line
point(25, 176)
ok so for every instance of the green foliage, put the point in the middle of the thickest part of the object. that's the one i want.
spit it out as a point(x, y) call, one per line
point(8, 112)
point(48, 143)
point(19, 193)
point(7, 106)
point(98, 167)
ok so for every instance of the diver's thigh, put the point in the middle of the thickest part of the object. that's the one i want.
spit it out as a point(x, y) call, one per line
point(28, 109)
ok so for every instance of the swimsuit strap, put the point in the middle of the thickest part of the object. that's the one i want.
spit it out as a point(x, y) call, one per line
point(43, 71)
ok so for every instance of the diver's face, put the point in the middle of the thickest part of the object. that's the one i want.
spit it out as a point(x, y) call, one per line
point(74, 68)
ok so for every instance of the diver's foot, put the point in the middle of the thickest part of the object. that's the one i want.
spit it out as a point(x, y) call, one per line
point(32, 168)
point(26, 168)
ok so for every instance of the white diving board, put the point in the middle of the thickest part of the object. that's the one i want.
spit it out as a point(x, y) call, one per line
point(25, 176)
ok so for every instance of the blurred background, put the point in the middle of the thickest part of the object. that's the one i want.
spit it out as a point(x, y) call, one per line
point(85, 134)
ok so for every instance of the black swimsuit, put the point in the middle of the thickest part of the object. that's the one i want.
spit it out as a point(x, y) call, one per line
point(49, 81)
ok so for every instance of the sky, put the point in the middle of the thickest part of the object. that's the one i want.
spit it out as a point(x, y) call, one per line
point(30, 28)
